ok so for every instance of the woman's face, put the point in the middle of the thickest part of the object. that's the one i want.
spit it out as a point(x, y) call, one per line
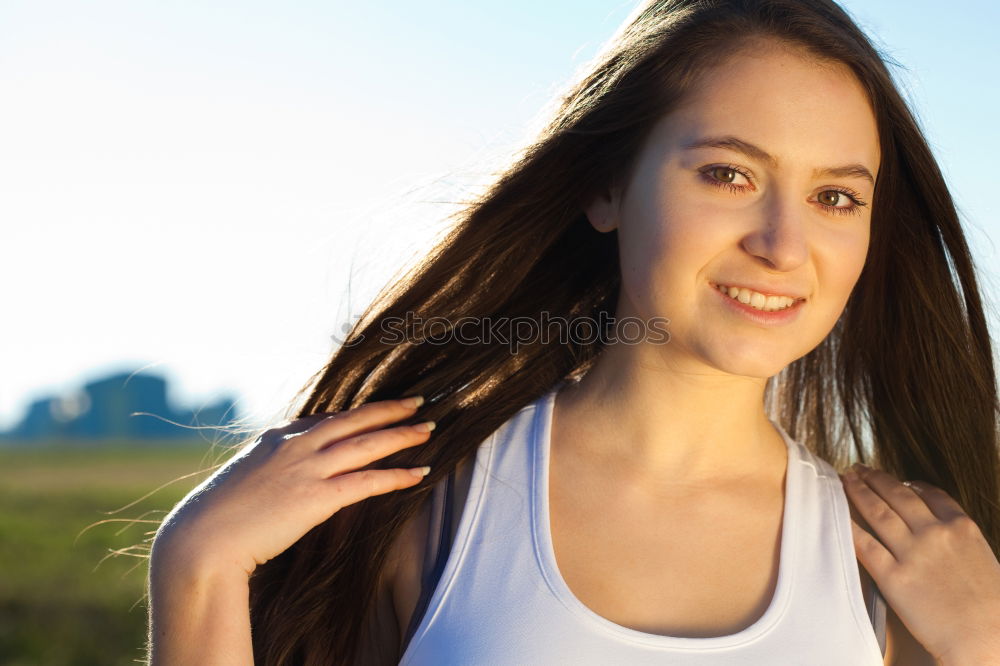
point(761, 208)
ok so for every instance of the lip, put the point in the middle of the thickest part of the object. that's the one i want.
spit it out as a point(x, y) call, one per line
point(776, 318)
point(767, 291)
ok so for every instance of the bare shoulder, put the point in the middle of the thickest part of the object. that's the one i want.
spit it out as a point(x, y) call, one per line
point(380, 641)
point(405, 563)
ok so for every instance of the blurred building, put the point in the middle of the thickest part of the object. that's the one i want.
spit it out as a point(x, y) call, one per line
point(123, 406)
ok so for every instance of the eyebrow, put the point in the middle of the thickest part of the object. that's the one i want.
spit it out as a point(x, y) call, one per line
point(761, 155)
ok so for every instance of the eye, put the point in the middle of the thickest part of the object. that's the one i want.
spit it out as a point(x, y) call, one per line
point(830, 198)
point(727, 176)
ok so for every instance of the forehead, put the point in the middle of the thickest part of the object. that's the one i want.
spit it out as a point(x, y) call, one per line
point(800, 110)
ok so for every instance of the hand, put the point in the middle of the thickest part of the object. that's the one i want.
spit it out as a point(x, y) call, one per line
point(291, 479)
point(932, 564)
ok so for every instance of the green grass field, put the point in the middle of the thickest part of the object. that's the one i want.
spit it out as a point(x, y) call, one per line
point(59, 602)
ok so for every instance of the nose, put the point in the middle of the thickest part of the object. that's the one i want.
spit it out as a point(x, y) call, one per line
point(778, 237)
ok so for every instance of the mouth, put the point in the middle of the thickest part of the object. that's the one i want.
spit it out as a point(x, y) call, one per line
point(755, 300)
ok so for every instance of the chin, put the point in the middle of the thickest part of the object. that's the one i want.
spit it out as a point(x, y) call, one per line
point(763, 370)
point(757, 362)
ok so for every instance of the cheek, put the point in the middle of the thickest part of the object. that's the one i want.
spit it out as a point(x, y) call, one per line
point(844, 257)
point(689, 235)
point(642, 233)
point(639, 247)
point(664, 248)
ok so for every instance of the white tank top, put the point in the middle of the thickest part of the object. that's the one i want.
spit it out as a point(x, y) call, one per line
point(500, 598)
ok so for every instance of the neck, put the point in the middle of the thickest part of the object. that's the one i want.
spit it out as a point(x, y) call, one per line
point(637, 417)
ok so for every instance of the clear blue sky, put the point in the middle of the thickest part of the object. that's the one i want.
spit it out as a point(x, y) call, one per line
point(184, 185)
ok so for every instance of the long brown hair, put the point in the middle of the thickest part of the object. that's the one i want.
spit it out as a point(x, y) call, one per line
point(904, 381)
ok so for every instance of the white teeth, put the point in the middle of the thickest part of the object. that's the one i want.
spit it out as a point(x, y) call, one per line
point(757, 300)
point(773, 303)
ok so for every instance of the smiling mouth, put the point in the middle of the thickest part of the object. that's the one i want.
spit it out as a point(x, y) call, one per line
point(756, 300)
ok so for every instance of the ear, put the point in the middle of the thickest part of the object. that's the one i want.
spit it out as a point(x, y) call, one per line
point(602, 211)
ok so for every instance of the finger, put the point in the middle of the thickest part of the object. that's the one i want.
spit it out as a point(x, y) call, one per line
point(274, 436)
point(943, 505)
point(300, 424)
point(903, 500)
point(887, 525)
point(348, 489)
point(355, 452)
point(877, 560)
point(362, 419)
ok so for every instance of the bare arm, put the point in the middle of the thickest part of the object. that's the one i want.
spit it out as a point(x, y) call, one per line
point(252, 509)
point(197, 615)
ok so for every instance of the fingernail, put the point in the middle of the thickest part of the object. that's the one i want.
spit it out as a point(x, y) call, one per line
point(420, 471)
point(413, 402)
point(426, 426)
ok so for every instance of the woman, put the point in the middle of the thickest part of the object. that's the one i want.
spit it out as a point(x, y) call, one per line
point(746, 173)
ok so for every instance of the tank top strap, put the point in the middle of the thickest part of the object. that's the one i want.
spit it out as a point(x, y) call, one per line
point(436, 550)
point(501, 599)
point(876, 612)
